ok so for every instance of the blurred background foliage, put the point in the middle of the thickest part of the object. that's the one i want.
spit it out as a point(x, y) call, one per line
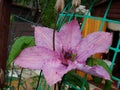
point(46, 9)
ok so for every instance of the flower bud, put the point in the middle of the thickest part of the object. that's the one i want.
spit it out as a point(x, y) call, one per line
point(59, 5)
point(76, 3)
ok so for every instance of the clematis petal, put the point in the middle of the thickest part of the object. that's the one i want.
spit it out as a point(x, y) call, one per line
point(54, 71)
point(43, 38)
point(97, 42)
point(41, 58)
point(95, 70)
point(70, 34)
point(34, 57)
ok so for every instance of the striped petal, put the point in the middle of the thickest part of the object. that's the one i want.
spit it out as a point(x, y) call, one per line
point(54, 71)
point(95, 70)
point(70, 35)
point(44, 38)
point(46, 60)
point(34, 57)
point(97, 42)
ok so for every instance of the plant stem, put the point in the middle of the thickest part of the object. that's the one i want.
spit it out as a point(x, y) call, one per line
point(59, 85)
point(11, 75)
point(55, 86)
point(20, 78)
point(39, 80)
point(54, 39)
point(54, 32)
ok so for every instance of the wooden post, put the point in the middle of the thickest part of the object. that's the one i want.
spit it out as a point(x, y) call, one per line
point(4, 28)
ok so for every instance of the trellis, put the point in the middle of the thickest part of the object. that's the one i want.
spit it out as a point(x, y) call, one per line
point(103, 19)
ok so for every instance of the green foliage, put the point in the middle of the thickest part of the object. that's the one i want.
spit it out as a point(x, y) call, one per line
point(33, 83)
point(108, 85)
point(48, 16)
point(20, 43)
point(97, 80)
point(92, 62)
point(12, 19)
point(23, 2)
point(75, 81)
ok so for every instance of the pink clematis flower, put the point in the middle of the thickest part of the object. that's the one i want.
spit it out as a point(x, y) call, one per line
point(71, 52)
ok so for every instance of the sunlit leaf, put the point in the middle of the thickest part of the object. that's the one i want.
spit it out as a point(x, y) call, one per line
point(20, 43)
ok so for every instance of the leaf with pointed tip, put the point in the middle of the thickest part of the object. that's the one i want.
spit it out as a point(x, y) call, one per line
point(75, 81)
point(94, 61)
point(19, 44)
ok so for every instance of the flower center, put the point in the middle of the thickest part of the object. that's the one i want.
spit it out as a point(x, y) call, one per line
point(68, 55)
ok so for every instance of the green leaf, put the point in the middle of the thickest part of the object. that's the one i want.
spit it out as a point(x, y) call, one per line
point(107, 85)
point(75, 81)
point(93, 61)
point(97, 80)
point(20, 43)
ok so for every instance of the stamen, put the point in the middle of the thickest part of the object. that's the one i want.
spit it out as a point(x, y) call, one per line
point(67, 55)
point(73, 56)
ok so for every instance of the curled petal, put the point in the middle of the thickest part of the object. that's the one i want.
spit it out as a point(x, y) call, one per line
point(34, 57)
point(70, 34)
point(95, 70)
point(97, 42)
point(59, 5)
